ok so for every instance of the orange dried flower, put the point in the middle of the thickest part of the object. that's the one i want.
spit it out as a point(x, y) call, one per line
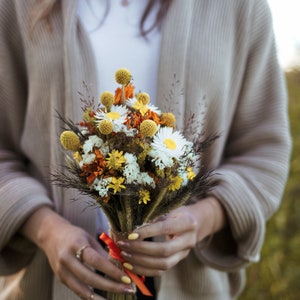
point(94, 169)
point(128, 93)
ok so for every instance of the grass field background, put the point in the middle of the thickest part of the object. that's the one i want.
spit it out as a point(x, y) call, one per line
point(277, 275)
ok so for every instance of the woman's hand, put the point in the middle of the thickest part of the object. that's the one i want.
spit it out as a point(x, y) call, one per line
point(60, 241)
point(183, 228)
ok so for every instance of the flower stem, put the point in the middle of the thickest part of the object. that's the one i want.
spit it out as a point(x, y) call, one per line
point(123, 94)
point(156, 203)
point(125, 215)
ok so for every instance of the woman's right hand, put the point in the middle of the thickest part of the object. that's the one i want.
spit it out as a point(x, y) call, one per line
point(60, 241)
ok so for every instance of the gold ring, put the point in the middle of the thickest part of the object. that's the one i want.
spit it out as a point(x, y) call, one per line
point(79, 255)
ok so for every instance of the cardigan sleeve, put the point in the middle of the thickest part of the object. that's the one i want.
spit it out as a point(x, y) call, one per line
point(20, 192)
point(251, 178)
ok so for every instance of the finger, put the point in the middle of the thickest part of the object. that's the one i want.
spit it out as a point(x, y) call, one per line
point(97, 246)
point(158, 249)
point(174, 224)
point(74, 284)
point(103, 264)
point(153, 266)
point(86, 275)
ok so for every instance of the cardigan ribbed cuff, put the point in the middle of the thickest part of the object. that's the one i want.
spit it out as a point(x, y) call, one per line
point(240, 244)
point(25, 195)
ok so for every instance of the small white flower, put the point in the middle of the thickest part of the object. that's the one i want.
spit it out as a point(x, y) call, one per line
point(93, 141)
point(130, 132)
point(130, 158)
point(100, 185)
point(87, 158)
point(105, 149)
point(184, 175)
point(146, 179)
point(132, 169)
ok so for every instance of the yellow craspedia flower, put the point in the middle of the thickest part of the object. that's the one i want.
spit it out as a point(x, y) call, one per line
point(106, 127)
point(176, 183)
point(168, 119)
point(70, 140)
point(123, 76)
point(148, 128)
point(144, 196)
point(143, 98)
point(107, 99)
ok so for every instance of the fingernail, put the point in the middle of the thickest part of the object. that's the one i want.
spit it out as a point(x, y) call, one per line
point(125, 254)
point(133, 236)
point(126, 279)
point(129, 291)
point(128, 266)
point(122, 243)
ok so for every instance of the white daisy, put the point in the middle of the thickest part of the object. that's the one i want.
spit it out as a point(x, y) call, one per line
point(117, 115)
point(169, 142)
point(154, 108)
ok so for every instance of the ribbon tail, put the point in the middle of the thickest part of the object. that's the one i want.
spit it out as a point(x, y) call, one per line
point(115, 253)
point(138, 282)
point(114, 250)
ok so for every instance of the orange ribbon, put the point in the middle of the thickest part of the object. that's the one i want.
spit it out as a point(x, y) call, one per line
point(115, 252)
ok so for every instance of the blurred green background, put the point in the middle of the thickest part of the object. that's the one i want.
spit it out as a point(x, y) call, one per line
point(277, 275)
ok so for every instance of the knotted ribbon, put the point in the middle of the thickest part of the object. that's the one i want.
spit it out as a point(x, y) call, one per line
point(115, 252)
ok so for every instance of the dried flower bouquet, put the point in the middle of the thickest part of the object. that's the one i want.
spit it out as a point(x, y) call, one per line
point(128, 156)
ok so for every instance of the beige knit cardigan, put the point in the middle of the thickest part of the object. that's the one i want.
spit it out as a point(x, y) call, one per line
point(223, 55)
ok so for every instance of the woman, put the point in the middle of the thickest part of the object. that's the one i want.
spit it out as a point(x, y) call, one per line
point(224, 56)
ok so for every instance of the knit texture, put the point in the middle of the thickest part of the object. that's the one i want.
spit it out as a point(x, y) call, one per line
point(222, 53)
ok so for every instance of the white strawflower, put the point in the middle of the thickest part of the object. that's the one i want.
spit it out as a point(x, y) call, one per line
point(169, 143)
point(117, 114)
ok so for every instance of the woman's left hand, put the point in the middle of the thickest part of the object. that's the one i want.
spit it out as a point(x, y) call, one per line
point(182, 228)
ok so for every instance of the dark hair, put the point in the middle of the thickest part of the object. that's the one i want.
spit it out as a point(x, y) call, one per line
point(164, 5)
point(45, 7)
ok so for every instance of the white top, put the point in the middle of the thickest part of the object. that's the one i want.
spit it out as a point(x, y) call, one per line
point(117, 42)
